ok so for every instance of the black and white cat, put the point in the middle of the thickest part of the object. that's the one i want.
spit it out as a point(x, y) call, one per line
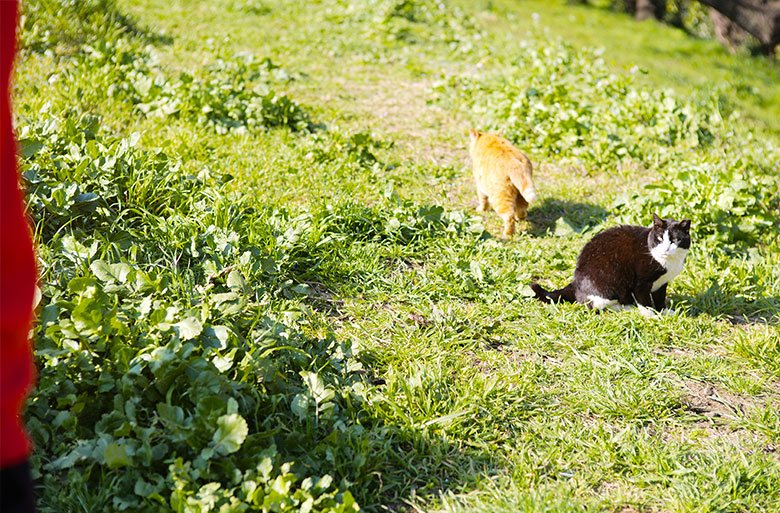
point(626, 265)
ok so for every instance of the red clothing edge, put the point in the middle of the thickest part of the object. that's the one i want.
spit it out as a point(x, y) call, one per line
point(17, 266)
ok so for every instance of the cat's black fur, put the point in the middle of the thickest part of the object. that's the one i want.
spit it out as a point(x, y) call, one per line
point(617, 264)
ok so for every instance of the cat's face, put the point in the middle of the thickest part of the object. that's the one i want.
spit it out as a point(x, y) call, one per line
point(669, 239)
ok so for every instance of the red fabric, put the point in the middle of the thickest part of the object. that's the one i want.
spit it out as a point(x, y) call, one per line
point(17, 267)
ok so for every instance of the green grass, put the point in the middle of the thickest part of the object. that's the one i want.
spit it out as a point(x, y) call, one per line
point(265, 287)
point(666, 56)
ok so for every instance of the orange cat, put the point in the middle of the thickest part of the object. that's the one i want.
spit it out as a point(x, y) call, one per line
point(503, 176)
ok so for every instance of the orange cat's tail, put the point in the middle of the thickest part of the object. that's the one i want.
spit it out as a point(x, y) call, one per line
point(529, 193)
point(565, 294)
point(520, 176)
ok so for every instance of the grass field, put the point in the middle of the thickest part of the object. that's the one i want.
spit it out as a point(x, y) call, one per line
point(265, 285)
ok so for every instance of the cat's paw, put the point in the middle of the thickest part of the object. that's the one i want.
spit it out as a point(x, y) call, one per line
point(647, 313)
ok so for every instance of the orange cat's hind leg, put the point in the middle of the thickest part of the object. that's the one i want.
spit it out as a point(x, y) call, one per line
point(484, 203)
point(509, 224)
point(504, 204)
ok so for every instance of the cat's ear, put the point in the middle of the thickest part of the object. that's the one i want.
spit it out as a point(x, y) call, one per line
point(500, 131)
point(657, 221)
point(685, 224)
point(473, 134)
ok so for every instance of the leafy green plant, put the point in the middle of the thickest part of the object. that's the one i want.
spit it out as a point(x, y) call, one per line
point(121, 335)
point(412, 20)
point(568, 104)
point(727, 203)
point(158, 351)
point(63, 27)
point(221, 97)
point(233, 93)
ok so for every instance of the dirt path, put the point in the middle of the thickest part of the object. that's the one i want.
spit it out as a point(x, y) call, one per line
point(400, 110)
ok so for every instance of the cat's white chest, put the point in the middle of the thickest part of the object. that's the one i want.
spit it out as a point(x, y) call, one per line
point(672, 263)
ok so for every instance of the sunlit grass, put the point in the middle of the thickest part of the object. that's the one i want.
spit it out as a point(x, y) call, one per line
point(337, 286)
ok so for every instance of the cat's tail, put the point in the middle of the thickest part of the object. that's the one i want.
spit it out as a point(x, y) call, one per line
point(520, 176)
point(529, 193)
point(565, 294)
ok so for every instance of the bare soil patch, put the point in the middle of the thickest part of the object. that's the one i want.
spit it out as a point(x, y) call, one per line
point(719, 408)
point(715, 402)
point(400, 111)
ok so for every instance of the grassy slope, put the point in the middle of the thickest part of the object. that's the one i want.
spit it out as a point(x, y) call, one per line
point(560, 403)
point(666, 54)
point(353, 90)
point(522, 406)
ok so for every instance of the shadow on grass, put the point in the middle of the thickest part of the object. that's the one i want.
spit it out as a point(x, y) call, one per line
point(543, 216)
point(389, 452)
point(419, 460)
point(130, 27)
point(415, 467)
point(736, 308)
point(72, 25)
